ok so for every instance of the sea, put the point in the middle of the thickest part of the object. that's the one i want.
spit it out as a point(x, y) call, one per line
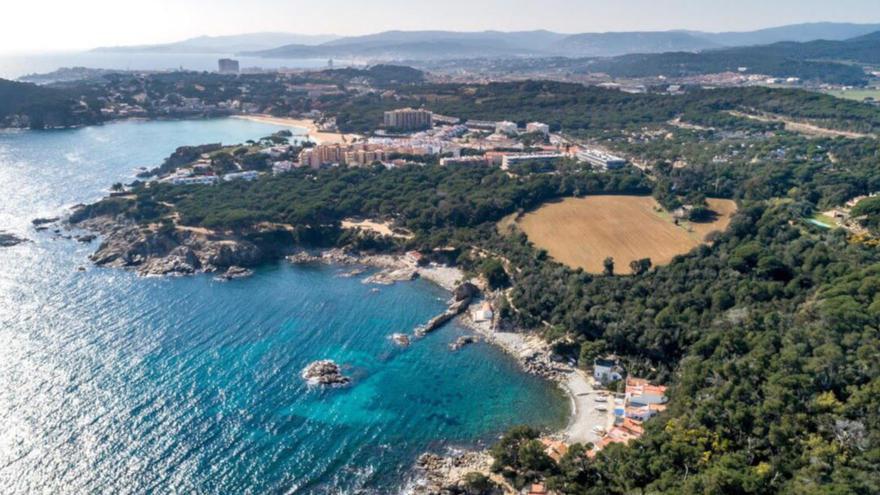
point(13, 66)
point(114, 383)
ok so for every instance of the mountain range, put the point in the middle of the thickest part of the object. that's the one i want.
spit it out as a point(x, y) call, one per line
point(225, 44)
point(392, 45)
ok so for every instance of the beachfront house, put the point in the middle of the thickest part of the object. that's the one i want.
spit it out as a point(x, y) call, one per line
point(483, 313)
point(640, 392)
point(607, 370)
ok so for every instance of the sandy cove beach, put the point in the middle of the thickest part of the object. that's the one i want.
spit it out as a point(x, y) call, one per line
point(315, 134)
point(575, 382)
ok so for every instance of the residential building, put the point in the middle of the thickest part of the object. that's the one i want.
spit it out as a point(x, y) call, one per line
point(483, 313)
point(532, 127)
point(188, 181)
point(466, 160)
point(249, 175)
point(408, 119)
point(607, 370)
point(547, 157)
point(483, 125)
point(228, 66)
point(640, 392)
point(601, 159)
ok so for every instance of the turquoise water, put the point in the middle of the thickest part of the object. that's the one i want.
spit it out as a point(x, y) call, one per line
point(111, 383)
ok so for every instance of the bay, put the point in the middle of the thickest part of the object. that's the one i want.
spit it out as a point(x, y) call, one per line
point(113, 383)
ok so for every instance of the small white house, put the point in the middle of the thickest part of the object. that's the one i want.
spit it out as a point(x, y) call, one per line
point(606, 370)
point(483, 313)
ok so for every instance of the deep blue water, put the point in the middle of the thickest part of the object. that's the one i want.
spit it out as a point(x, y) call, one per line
point(112, 383)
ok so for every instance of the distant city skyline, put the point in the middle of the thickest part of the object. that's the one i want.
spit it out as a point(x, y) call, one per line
point(63, 25)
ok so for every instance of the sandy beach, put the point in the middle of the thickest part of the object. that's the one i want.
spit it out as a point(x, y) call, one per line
point(575, 382)
point(312, 131)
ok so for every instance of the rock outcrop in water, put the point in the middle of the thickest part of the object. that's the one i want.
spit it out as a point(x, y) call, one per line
point(9, 240)
point(325, 372)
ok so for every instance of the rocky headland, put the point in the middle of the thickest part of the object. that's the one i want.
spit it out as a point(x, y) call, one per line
point(170, 251)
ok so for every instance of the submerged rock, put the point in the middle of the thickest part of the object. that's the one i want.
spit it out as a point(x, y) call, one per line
point(325, 372)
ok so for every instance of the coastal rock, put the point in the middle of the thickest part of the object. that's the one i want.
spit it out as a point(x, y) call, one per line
point(9, 240)
point(388, 277)
point(462, 341)
point(43, 221)
point(325, 372)
point(445, 475)
point(228, 253)
point(234, 272)
point(86, 238)
point(401, 339)
point(464, 291)
point(180, 261)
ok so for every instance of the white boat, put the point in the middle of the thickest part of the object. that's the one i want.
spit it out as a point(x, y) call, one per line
point(601, 408)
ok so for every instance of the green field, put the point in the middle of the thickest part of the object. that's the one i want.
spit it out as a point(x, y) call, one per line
point(857, 94)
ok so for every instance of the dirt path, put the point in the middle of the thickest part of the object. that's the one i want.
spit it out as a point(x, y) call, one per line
point(804, 128)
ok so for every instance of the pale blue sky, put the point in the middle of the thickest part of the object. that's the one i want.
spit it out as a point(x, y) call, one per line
point(32, 25)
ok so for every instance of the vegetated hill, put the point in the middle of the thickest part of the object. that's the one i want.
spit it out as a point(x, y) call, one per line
point(29, 105)
point(794, 32)
point(611, 44)
point(683, 64)
point(378, 75)
point(225, 44)
point(813, 61)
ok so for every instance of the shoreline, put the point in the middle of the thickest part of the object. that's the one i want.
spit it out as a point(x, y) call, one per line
point(312, 131)
point(529, 350)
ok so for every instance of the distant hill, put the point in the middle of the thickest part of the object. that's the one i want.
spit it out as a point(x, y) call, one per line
point(819, 61)
point(400, 45)
point(225, 44)
point(834, 31)
point(613, 44)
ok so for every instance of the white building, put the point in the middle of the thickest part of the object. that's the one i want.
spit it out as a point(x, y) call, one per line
point(188, 181)
point(249, 175)
point(538, 127)
point(601, 159)
point(483, 314)
point(506, 127)
point(513, 159)
point(607, 370)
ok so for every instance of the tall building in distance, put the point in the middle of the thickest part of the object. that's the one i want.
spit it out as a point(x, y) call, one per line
point(408, 119)
point(228, 66)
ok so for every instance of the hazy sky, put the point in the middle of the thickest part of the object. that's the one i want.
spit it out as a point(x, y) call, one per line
point(37, 25)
